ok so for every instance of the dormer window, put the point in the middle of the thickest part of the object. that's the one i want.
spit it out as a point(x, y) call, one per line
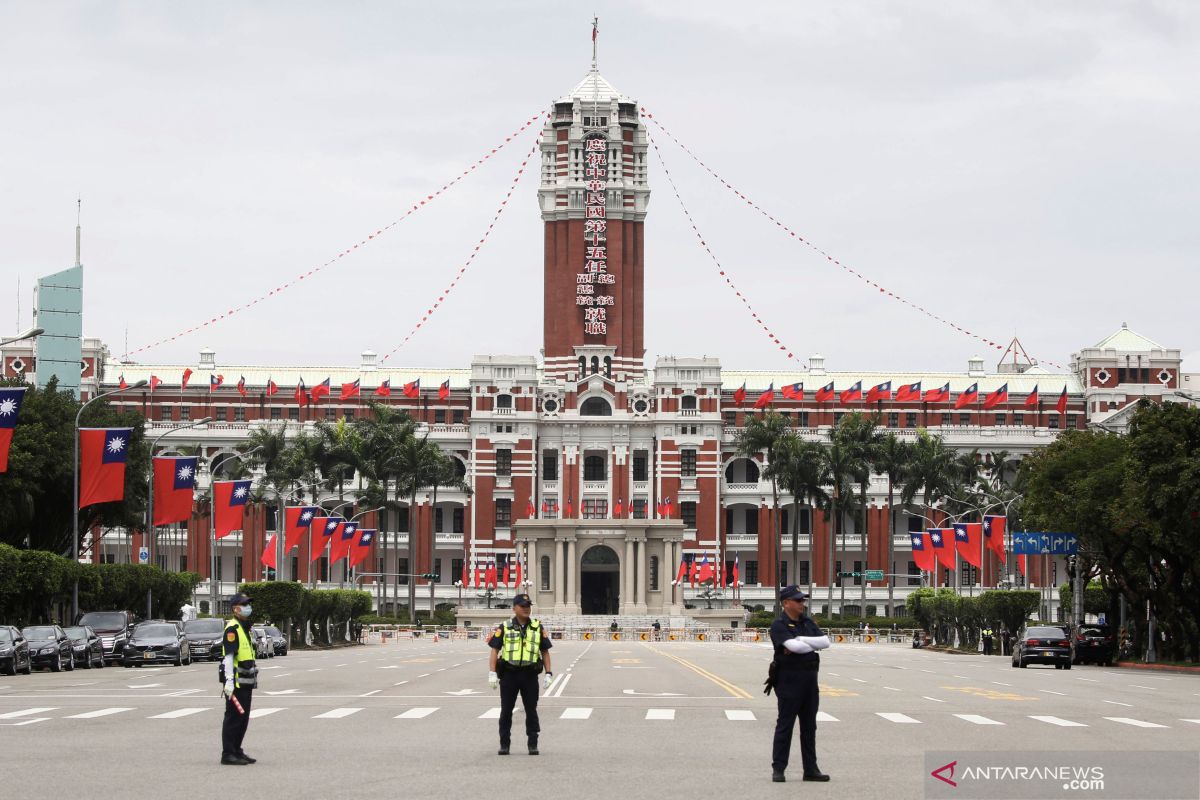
point(595, 407)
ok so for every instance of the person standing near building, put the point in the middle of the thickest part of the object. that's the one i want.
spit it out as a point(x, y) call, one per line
point(797, 639)
point(987, 641)
point(520, 650)
point(240, 675)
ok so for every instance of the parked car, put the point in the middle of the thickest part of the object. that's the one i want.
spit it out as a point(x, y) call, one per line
point(1042, 644)
point(204, 637)
point(155, 643)
point(14, 651)
point(86, 647)
point(113, 628)
point(1095, 643)
point(262, 642)
point(50, 647)
point(279, 642)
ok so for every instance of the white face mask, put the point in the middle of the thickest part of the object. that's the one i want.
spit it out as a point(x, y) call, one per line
point(246, 611)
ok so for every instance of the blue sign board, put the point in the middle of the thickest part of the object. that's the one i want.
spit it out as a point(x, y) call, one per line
point(1026, 543)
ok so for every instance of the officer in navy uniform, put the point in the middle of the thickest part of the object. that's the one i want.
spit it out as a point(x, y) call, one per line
point(240, 675)
point(520, 650)
point(796, 638)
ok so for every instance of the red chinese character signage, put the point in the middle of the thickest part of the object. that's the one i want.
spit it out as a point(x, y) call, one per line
point(594, 285)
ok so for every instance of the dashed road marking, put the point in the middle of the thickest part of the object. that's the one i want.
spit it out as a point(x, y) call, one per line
point(740, 714)
point(179, 712)
point(901, 718)
point(337, 713)
point(660, 713)
point(1059, 721)
point(416, 713)
point(103, 712)
point(1137, 723)
point(978, 720)
point(576, 713)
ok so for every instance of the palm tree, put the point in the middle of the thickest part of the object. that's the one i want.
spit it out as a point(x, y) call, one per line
point(339, 453)
point(801, 474)
point(892, 459)
point(382, 433)
point(933, 472)
point(283, 464)
point(840, 467)
point(414, 465)
point(860, 432)
point(763, 435)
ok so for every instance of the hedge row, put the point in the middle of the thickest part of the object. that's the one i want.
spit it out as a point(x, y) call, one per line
point(308, 615)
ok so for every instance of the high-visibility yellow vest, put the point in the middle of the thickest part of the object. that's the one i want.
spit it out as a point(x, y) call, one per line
point(521, 649)
point(244, 670)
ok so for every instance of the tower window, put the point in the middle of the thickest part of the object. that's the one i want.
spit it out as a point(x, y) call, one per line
point(595, 468)
point(595, 407)
point(687, 463)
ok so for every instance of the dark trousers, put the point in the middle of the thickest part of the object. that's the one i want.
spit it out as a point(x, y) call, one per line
point(987, 645)
point(233, 728)
point(798, 701)
point(525, 683)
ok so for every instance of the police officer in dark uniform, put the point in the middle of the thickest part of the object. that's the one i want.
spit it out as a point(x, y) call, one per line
point(239, 674)
point(520, 650)
point(796, 638)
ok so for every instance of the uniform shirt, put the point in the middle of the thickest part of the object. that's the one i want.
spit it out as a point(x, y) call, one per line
point(497, 640)
point(784, 628)
point(230, 646)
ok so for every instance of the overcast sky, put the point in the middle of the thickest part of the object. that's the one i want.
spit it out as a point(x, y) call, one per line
point(1023, 168)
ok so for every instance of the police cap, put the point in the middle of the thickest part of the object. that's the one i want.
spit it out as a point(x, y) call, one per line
point(239, 599)
point(522, 600)
point(792, 592)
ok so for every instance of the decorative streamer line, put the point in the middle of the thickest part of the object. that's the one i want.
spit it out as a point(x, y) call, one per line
point(429, 198)
point(720, 268)
point(470, 258)
point(828, 257)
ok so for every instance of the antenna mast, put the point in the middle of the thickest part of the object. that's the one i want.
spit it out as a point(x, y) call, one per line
point(78, 229)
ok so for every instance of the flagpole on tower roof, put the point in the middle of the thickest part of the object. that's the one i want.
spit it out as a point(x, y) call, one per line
point(595, 33)
point(78, 228)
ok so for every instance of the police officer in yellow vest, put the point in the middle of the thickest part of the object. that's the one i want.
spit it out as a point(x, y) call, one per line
point(520, 650)
point(239, 675)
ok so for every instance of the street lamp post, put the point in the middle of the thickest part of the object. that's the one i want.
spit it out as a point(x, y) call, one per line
point(280, 523)
point(75, 517)
point(982, 548)
point(311, 575)
point(212, 528)
point(29, 334)
point(150, 500)
point(345, 573)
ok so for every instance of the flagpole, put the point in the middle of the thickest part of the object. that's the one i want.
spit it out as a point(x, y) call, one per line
point(214, 584)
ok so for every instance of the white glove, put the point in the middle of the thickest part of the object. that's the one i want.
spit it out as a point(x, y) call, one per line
point(547, 679)
point(493, 680)
point(228, 690)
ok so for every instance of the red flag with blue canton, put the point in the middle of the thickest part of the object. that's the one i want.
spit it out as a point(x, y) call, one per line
point(993, 534)
point(214, 381)
point(793, 391)
point(1031, 400)
point(412, 389)
point(937, 540)
point(187, 376)
point(825, 393)
point(242, 386)
point(880, 392)
point(766, 397)
point(852, 394)
point(922, 553)
point(296, 520)
point(301, 394)
point(317, 539)
point(365, 537)
point(10, 409)
point(341, 545)
point(995, 398)
point(102, 456)
point(268, 554)
point(969, 396)
point(941, 395)
point(739, 394)
point(909, 393)
point(1061, 405)
point(384, 389)
point(230, 498)
point(444, 390)
point(155, 382)
point(967, 541)
point(319, 391)
point(272, 388)
point(174, 482)
point(351, 389)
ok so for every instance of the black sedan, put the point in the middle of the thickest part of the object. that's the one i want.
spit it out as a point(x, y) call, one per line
point(1095, 643)
point(50, 647)
point(204, 637)
point(87, 648)
point(1042, 644)
point(279, 642)
point(157, 643)
point(14, 652)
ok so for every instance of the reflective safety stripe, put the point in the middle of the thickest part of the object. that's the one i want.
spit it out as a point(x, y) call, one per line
point(521, 647)
point(244, 669)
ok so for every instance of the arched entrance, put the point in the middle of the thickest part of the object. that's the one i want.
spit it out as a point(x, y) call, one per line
point(600, 581)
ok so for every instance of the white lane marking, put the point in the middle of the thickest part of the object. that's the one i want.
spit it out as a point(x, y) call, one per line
point(1196, 721)
point(860, 680)
point(26, 713)
point(391, 666)
point(24, 722)
point(978, 720)
point(823, 716)
point(554, 684)
point(576, 713)
point(1137, 723)
point(182, 692)
point(344, 665)
point(255, 713)
point(963, 677)
point(315, 669)
point(660, 713)
point(491, 713)
point(103, 712)
point(337, 713)
point(1117, 703)
point(416, 713)
point(1089, 680)
point(834, 674)
point(401, 683)
point(143, 685)
point(562, 686)
point(426, 675)
point(1139, 686)
point(927, 670)
point(179, 712)
point(894, 717)
point(368, 694)
point(1049, 691)
point(1059, 721)
point(891, 688)
point(998, 683)
point(740, 714)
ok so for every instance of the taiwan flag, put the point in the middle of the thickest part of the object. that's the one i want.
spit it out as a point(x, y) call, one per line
point(667, 508)
point(766, 398)
point(214, 381)
point(937, 539)
point(995, 398)
point(507, 571)
point(323, 531)
point(242, 385)
point(319, 391)
point(230, 501)
point(1022, 565)
point(187, 376)
point(968, 539)
point(620, 508)
point(301, 394)
point(121, 384)
point(793, 391)
point(530, 509)
point(174, 482)
point(444, 390)
point(735, 570)
point(155, 382)
point(351, 389)
point(296, 521)
point(570, 508)
point(682, 571)
point(922, 553)
point(880, 392)
point(10, 409)
point(909, 393)
point(340, 547)
point(1061, 405)
point(102, 456)
point(268, 558)
point(852, 394)
point(941, 395)
point(412, 389)
point(739, 394)
point(1031, 399)
point(363, 547)
point(993, 534)
point(968, 397)
point(272, 387)
point(705, 572)
point(825, 393)
point(384, 389)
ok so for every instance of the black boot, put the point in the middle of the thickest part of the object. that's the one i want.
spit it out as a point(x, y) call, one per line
point(247, 758)
point(777, 776)
point(233, 760)
point(533, 748)
point(503, 751)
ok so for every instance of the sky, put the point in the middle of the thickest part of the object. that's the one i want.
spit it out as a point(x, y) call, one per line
point(1018, 168)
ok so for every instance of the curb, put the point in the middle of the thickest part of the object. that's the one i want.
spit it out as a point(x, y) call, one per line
point(1156, 667)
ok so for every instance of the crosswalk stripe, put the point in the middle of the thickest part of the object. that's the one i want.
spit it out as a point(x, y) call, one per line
point(103, 712)
point(255, 713)
point(823, 716)
point(1135, 722)
point(576, 713)
point(179, 712)
point(978, 720)
point(1196, 721)
point(28, 712)
point(416, 713)
point(1062, 723)
point(660, 713)
point(740, 714)
point(337, 713)
point(491, 713)
point(894, 717)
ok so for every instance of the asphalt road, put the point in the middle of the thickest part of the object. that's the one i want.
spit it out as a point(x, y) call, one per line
point(633, 719)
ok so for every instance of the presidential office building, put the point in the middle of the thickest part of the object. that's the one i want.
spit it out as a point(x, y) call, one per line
point(628, 468)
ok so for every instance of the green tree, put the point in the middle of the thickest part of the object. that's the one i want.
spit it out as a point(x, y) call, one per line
point(762, 435)
point(801, 473)
point(892, 459)
point(859, 432)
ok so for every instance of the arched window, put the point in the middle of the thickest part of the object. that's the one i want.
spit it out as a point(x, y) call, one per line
point(460, 469)
point(595, 365)
point(582, 366)
point(595, 407)
point(688, 402)
point(595, 468)
point(607, 367)
point(544, 573)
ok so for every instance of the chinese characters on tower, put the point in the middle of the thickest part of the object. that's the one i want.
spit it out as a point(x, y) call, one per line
point(593, 286)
